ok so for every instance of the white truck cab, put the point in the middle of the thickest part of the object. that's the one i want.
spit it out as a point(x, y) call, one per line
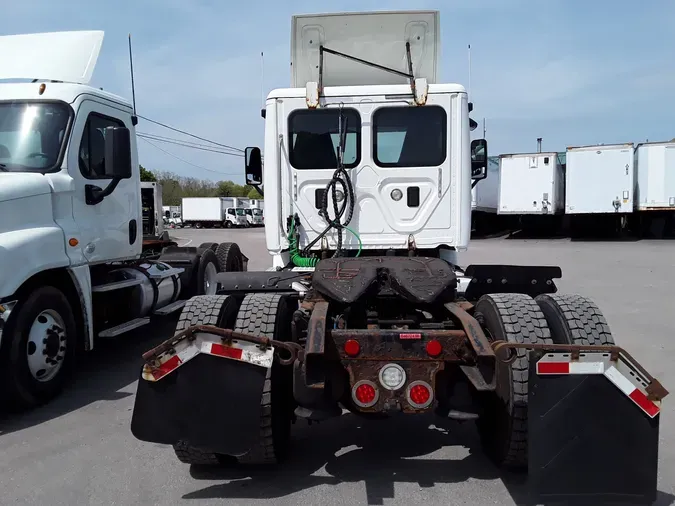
point(77, 261)
point(405, 144)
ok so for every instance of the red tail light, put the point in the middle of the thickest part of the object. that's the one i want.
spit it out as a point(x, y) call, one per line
point(434, 348)
point(365, 393)
point(419, 394)
point(352, 347)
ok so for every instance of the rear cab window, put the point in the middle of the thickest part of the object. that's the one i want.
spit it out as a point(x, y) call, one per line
point(314, 138)
point(410, 136)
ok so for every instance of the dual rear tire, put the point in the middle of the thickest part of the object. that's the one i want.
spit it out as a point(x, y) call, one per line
point(262, 314)
point(519, 318)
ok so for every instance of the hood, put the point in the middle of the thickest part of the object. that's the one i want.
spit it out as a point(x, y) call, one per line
point(18, 185)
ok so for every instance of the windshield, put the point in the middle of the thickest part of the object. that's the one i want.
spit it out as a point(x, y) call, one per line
point(248, 212)
point(31, 135)
point(257, 212)
point(240, 212)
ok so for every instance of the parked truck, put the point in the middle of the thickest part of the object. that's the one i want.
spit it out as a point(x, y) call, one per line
point(209, 212)
point(234, 211)
point(368, 174)
point(83, 252)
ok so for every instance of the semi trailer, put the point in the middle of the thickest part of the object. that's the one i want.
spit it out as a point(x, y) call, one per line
point(368, 173)
point(83, 251)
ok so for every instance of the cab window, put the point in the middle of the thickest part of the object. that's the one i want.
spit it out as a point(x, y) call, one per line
point(410, 136)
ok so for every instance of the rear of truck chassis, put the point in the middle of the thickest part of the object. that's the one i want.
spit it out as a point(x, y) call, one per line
point(538, 371)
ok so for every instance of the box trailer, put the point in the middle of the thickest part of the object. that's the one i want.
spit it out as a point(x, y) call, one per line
point(485, 195)
point(530, 183)
point(202, 211)
point(655, 162)
point(600, 179)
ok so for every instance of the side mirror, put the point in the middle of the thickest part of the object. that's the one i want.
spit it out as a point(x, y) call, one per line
point(117, 153)
point(478, 159)
point(253, 159)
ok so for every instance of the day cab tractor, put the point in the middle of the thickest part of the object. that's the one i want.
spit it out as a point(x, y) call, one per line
point(83, 251)
point(368, 174)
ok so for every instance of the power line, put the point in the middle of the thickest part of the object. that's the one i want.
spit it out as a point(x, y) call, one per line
point(189, 134)
point(188, 145)
point(174, 139)
point(185, 161)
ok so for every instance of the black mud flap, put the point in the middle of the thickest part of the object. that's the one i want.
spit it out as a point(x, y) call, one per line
point(589, 442)
point(209, 402)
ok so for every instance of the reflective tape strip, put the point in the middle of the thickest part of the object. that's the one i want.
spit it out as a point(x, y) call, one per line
point(632, 386)
point(634, 393)
point(544, 368)
point(208, 344)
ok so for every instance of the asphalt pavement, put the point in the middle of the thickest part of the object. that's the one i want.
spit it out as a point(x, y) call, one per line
point(78, 450)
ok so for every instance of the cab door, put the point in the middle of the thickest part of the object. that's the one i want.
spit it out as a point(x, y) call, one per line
point(108, 230)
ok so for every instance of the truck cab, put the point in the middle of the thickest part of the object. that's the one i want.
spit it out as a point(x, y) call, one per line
point(402, 137)
point(82, 246)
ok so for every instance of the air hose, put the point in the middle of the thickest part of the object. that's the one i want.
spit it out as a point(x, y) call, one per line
point(297, 259)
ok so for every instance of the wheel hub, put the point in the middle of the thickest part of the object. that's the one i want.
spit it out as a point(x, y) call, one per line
point(46, 346)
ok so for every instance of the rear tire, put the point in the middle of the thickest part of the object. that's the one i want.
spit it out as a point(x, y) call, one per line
point(229, 257)
point(574, 319)
point(515, 318)
point(220, 311)
point(270, 315)
point(209, 245)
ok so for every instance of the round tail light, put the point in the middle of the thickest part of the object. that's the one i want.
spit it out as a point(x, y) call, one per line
point(434, 348)
point(365, 393)
point(419, 394)
point(352, 347)
point(392, 376)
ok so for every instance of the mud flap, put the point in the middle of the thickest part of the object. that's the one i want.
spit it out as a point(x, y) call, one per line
point(208, 402)
point(587, 440)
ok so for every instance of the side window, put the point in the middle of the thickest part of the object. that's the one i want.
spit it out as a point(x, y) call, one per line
point(230, 211)
point(410, 136)
point(92, 145)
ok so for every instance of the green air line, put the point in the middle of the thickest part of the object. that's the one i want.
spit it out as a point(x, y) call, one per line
point(297, 259)
point(300, 261)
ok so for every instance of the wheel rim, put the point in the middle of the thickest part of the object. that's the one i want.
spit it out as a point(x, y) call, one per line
point(210, 283)
point(46, 346)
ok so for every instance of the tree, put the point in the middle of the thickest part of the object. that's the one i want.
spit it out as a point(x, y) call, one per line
point(254, 194)
point(147, 175)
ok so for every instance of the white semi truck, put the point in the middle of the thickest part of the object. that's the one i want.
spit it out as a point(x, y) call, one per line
point(367, 182)
point(82, 252)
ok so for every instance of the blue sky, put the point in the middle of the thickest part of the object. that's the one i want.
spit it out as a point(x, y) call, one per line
point(571, 72)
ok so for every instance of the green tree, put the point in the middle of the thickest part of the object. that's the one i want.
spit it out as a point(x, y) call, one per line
point(146, 175)
point(254, 194)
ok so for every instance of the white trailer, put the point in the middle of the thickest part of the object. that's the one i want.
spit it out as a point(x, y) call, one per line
point(485, 195)
point(600, 179)
point(202, 212)
point(655, 162)
point(530, 184)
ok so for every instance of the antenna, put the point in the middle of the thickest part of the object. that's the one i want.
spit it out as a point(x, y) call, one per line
point(262, 78)
point(469, 87)
point(134, 118)
point(483, 128)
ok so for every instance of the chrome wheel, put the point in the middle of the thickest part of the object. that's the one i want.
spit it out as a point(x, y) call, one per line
point(210, 283)
point(46, 346)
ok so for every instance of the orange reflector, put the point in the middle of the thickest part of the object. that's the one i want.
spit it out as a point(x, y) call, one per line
point(73, 242)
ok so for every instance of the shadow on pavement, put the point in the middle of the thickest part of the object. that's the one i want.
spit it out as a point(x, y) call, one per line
point(101, 373)
point(380, 453)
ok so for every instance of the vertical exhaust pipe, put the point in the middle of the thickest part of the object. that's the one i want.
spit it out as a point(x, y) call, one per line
point(539, 145)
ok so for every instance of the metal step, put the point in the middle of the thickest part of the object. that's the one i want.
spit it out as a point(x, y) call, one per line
point(174, 271)
point(170, 308)
point(124, 327)
point(116, 285)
